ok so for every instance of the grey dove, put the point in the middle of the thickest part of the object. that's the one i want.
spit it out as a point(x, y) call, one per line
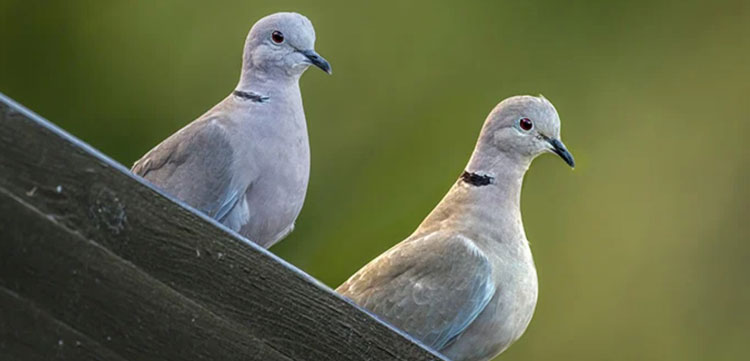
point(464, 282)
point(246, 162)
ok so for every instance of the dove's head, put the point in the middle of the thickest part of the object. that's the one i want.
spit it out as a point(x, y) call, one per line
point(523, 127)
point(282, 44)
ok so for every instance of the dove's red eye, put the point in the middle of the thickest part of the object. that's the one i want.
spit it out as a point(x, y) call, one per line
point(525, 124)
point(277, 37)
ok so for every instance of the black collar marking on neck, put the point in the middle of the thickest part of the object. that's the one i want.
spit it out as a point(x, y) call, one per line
point(250, 96)
point(476, 179)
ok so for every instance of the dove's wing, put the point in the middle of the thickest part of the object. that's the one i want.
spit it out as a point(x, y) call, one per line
point(432, 287)
point(195, 166)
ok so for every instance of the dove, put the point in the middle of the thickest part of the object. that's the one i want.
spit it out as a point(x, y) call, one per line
point(465, 283)
point(246, 162)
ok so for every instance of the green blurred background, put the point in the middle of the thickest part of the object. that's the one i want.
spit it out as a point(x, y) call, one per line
point(642, 250)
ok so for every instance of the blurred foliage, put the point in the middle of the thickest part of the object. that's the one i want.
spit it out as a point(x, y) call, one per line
point(642, 250)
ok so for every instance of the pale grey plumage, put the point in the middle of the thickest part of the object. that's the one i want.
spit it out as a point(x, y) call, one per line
point(246, 162)
point(464, 282)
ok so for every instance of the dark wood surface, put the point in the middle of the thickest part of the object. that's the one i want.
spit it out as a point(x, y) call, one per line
point(95, 264)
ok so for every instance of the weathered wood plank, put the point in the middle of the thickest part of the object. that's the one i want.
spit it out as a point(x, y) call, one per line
point(112, 302)
point(191, 256)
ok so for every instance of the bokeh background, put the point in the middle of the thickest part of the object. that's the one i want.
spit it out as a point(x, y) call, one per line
point(642, 250)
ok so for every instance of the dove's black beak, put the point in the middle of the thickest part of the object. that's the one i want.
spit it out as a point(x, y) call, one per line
point(559, 148)
point(317, 60)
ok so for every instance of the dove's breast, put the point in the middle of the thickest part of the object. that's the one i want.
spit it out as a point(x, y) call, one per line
point(279, 162)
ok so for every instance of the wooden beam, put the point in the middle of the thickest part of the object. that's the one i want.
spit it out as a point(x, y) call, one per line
point(93, 254)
